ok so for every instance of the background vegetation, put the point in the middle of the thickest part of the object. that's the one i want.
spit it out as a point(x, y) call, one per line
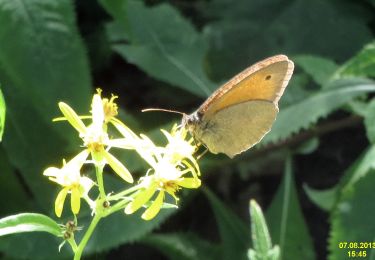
point(313, 174)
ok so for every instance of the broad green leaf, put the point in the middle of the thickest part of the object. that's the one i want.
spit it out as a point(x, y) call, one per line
point(35, 246)
point(361, 65)
point(119, 229)
point(302, 115)
point(353, 219)
point(29, 222)
point(286, 222)
point(359, 107)
point(157, 46)
point(370, 121)
point(242, 33)
point(42, 61)
point(233, 232)
point(118, 10)
point(324, 199)
point(297, 90)
point(184, 246)
point(13, 189)
point(262, 245)
point(2, 114)
point(319, 68)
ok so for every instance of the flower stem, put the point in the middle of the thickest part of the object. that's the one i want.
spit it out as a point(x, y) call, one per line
point(121, 194)
point(99, 177)
point(73, 244)
point(86, 237)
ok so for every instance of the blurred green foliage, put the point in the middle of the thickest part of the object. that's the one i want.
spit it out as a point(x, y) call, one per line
point(313, 173)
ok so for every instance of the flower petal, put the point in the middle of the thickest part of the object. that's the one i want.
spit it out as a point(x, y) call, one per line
point(72, 117)
point(75, 200)
point(141, 198)
point(154, 209)
point(97, 112)
point(59, 202)
point(51, 171)
point(122, 143)
point(123, 129)
point(86, 185)
point(78, 160)
point(118, 167)
point(190, 183)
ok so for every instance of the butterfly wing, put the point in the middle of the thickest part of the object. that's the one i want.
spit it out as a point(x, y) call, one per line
point(236, 128)
point(265, 80)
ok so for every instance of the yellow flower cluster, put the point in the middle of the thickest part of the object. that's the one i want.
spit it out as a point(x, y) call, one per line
point(171, 167)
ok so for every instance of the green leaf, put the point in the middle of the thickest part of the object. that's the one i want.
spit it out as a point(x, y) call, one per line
point(353, 219)
point(260, 236)
point(305, 113)
point(370, 121)
point(242, 33)
point(233, 232)
point(308, 146)
point(286, 223)
point(183, 246)
point(42, 61)
point(2, 114)
point(119, 228)
point(12, 189)
point(157, 46)
point(34, 245)
point(319, 68)
point(359, 169)
point(361, 65)
point(29, 222)
point(325, 199)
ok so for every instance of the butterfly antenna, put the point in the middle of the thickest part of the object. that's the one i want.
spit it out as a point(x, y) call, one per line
point(163, 110)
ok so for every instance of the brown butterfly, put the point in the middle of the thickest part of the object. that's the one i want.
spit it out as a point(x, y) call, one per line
point(241, 112)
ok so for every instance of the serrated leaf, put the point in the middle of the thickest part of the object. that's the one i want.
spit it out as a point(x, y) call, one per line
point(324, 199)
point(305, 113)
point(370, 121)
point(361, 65)
point(157, 46)
point(353, 219)
point(260, 236)
point(286, 223)
point(29, 222)
point(2, 114)
point(319, 68)
point(183, 246)
point(233, 232)
point(359, 168)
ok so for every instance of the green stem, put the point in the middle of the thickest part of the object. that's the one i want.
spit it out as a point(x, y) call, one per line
point(86, 237)
point(121, 194)
point(99, 177)
point(119, 205)
point(73, 244)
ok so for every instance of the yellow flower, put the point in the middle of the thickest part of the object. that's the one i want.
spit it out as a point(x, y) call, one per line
point(72, 182)
point(95, 137)
point(172, 167)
